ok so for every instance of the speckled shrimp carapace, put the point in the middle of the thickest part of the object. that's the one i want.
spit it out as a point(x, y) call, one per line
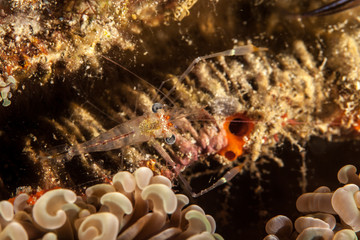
point(157, 124)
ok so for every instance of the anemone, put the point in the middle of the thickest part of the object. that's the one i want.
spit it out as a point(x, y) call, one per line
point(322, 208)
point(137, 205)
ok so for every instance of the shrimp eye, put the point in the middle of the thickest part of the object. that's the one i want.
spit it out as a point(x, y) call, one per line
point(156, 106)
point(238, 127)
point(170, 140)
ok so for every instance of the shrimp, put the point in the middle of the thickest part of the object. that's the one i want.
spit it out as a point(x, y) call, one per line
point(160, 123)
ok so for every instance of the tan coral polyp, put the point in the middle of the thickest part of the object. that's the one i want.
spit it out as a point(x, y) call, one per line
point(344, 202)
point(315, 202)
point(347, 174)
point(99, 226)
point(47, 211)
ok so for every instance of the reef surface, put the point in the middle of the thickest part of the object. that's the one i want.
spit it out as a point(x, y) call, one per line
point(302, 95)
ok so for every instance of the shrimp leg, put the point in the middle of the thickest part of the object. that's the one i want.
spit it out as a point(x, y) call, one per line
point(236, 51)
point(242, 50)
point(226, 178)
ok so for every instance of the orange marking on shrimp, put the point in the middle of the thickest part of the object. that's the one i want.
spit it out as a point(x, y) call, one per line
point(237, 127)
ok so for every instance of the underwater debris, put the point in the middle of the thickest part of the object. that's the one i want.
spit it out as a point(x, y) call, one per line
point(323, 207)
point(37, 37)
point(5, 87)
point(137, 205)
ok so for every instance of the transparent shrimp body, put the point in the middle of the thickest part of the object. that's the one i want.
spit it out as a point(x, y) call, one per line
point(138, 130)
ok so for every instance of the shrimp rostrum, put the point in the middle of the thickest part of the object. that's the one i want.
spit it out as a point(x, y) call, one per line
point(160, 122)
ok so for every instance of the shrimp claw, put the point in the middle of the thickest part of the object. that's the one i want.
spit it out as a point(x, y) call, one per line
point(226, 178)
point(236, 51)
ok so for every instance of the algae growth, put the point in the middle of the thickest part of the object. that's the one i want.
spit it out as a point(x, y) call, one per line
point(302, 94)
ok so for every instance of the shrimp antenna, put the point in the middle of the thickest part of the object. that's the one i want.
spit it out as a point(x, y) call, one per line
point(137, 76)
point(236, 51)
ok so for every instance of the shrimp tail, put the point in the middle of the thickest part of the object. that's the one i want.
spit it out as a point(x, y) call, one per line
point(58, 154)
